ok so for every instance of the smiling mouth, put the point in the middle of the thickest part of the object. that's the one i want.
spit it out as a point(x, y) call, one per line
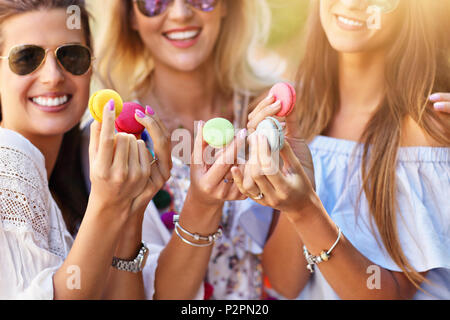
point(51, 102)
point(350, 23)
point(182, 35)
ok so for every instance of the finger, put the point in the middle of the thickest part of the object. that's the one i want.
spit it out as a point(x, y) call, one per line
point(199, 144)
point(122, 148)
point(94, 139)
point(161, 141)
point(290, 159)
point(269, 164)
point(269, 111)
point(268, 160)
point(133, 153)
point(145, 158)
point(106, 141)
point(262, 105)
point(442, 107)
point(227, 159)
point(157, 177)
point(440, 97)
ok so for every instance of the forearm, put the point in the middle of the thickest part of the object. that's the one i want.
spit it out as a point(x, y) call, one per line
point(182, 267)
point(84, 273)
point(347, 270)
point(282, 260)
point(123, 285)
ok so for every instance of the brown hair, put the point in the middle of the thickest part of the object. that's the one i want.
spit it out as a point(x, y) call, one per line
point(418, 63)
point(66, 181)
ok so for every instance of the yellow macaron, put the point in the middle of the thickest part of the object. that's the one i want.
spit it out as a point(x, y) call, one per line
point(98, 101)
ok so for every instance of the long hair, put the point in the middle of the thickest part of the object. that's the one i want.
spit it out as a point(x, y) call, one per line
point(417, 64)
point(125, 64)
point(66, 181)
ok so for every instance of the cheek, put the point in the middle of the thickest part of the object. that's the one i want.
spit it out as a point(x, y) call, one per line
point(13, 90)
point(81, 98)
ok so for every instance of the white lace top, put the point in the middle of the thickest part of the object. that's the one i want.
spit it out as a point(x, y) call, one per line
point(34, 240)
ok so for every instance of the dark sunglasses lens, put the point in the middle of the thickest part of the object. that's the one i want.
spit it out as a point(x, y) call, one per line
point(24, 60)
point(204, 5)
point(151, 8)
point(75, 59)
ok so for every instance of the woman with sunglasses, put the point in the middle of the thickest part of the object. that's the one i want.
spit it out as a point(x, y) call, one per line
point(188, 61)
point(45, 74)
point(376, 224)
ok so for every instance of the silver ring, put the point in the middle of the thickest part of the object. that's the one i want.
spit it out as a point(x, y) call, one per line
point(228, 180)
point(260, 196)
point(153, 161)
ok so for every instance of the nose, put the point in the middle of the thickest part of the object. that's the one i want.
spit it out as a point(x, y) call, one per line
point(355, 4)
point(180, 10)
point(50, 72)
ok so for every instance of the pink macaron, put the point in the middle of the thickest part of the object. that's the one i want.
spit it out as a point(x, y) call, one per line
point(126, 122)
point(285, 93)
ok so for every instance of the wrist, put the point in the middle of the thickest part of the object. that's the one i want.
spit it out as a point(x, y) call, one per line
point(307, 209)
point(107, 213)
point(200, 218)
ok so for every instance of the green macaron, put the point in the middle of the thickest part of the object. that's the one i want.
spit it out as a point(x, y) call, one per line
point(218, 132)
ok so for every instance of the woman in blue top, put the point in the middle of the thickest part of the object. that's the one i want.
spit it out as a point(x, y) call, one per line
point(375, 220)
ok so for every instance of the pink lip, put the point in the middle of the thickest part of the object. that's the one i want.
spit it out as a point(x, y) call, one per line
point(183, 44)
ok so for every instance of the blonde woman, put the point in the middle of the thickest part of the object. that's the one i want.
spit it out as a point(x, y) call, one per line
point(188, 60)
point(377, 224)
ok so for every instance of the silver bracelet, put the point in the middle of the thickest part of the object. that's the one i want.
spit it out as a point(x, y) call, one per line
point(324, 255)
point(211, 238)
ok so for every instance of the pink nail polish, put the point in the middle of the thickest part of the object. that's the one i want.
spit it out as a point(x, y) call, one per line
point(439, 106)
point(112, 105)
point(149, 110)
point(140, 114)
point(435, 97)
point(243, 133)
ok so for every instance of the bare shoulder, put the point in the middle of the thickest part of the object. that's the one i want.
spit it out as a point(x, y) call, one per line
point(415, 136)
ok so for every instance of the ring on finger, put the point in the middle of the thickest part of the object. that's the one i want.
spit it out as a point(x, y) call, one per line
point(260, 196)
point(153, 161)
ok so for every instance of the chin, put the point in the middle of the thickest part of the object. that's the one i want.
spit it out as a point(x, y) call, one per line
point(349, 46)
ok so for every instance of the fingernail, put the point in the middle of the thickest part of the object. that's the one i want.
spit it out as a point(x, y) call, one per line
point(140, 114)
point(270, 96)
point(439, 106)
point(243, 133)
point(112, 105)
point(276, 104)
point(435, 97)
point(149, 110)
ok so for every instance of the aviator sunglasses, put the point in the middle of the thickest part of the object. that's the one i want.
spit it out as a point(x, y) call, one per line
point(152, 8)
point(25, 59)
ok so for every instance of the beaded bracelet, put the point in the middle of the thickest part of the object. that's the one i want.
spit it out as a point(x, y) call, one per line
point(211, 239)
point(324, 255)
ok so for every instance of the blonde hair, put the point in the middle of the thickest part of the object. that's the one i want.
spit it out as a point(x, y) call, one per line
point(123, 56)
point(417, 64)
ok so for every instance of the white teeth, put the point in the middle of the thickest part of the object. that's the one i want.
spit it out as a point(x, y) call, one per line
point(183, 35)
point(51, 102)
point(350, 22)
